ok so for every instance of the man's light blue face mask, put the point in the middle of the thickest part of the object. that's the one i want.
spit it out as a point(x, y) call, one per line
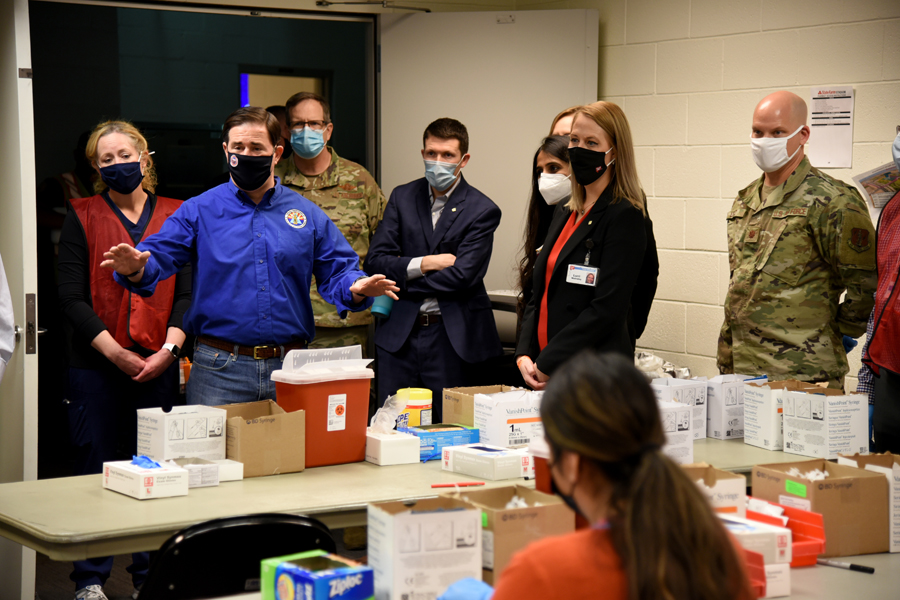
point(440, 175)
point(307, 142)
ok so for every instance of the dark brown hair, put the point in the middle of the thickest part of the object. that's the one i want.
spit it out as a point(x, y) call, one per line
point(537, 219)
point(670, 542)
point(448, 129)
point(254, 114)
point(302, 96)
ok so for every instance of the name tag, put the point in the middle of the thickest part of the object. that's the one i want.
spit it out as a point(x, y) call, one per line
point(582, 275)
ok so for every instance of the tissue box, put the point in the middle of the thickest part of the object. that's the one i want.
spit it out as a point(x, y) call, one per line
point(685, 391)
point(726, 492)
point(774, 543)
point(194, 431)
point(677, 422)
point(725, 407)
point(143, 484)
point(201, 472)
point(434, 438)
point(230, 470)
point(852, 502)
point(505, 531)
point(825, 423)
point(763, 411)
point(417, 549)
point(459, 403)
point(392, 448)
point(888, 465)
point(315, 575)
point(488, 462)
point(509, 418)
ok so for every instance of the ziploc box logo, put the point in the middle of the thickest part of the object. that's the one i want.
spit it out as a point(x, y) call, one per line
point(509, 418)
point(318, 575)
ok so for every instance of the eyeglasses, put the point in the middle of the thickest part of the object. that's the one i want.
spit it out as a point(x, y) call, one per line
point(314, 125)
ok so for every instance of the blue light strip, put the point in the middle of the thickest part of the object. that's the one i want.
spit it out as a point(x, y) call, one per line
point(245, 89)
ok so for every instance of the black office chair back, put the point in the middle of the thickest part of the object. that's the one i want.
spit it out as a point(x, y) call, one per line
point(222, 557)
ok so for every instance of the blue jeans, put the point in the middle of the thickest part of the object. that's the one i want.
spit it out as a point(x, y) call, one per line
point(102, 407)
point(222, 377)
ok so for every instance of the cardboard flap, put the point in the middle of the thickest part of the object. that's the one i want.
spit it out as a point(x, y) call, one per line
point(441, 503)
point(251, 410)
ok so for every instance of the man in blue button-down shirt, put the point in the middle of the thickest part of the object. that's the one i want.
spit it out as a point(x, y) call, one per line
point(254, 245)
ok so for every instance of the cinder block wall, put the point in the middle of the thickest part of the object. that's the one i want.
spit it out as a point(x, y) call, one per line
point(688, 74)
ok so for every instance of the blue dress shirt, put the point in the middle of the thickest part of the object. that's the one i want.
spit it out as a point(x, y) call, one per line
point(252, 264)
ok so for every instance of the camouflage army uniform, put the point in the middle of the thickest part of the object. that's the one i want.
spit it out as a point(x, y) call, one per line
point(353, 201)
point(791, 258)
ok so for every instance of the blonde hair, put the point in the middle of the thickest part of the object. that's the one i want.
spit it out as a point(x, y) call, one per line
point(137, 140)
point(612, 120)
point(566, 113)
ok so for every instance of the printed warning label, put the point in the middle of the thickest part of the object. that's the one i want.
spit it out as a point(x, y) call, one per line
point(337, 412)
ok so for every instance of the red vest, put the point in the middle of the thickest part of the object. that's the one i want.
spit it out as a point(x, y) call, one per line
point(129, 318)
point(884, 345)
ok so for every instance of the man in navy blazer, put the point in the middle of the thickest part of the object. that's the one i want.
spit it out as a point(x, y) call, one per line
point(435, 241)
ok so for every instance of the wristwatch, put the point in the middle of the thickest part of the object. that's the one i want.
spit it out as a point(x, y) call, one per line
point(175, 350)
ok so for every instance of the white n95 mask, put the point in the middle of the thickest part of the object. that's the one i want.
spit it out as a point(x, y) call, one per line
point(554, 187)
point(770, 154)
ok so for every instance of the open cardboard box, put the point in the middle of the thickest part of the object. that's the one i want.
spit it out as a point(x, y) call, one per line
point(459, 403)
point(726, 491)
point(265, 438)
point(888, 465)
point(508, 530)
point(853, 502)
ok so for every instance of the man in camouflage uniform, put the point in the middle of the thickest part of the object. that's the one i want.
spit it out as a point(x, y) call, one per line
point(345, 191)
point(797, 239)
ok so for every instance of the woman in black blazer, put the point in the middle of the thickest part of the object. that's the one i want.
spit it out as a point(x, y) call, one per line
point(596, 255)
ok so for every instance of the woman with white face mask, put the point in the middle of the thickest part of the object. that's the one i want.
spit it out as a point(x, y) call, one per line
point(550, 185)
point(122, 348)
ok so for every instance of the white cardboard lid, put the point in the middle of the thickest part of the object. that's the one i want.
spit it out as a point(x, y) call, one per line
point(326, 364)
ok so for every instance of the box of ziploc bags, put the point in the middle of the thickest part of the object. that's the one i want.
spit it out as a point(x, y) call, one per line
point(315, 575)
point(434, 438)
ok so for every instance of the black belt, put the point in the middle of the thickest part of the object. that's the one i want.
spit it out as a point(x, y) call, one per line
point(425, 320)
point(258, 352)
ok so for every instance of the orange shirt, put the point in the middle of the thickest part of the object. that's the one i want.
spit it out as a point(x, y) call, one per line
point(571, 225)
point(582, 564)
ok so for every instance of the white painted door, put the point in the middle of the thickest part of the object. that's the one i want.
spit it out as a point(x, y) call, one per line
point(18, 390)
point(505, 75)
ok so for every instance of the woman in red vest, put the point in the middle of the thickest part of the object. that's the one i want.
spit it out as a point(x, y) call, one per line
point(122, 348)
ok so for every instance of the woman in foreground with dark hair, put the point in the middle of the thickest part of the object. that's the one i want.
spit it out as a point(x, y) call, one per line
point(654, 535)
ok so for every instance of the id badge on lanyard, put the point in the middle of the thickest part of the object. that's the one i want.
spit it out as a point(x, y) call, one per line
point(583, 274)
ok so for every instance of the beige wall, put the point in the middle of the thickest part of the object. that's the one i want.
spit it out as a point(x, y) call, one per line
point(688, 74)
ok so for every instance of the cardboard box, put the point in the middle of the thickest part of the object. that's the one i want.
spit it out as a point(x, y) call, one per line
point(509, 418)
point(727, 492)
point(230, 470)
point(677, 422)
point(773, 542)
point(459, 403)
point(432, 438)
point(488, 462)
point(725, 407)
point(194, 431)
point(852, 502)
point(392, 448)
point(685, 391)
point(166, 481)
point(778, 581)
point(265, 438)
point(763, 408)
point(315, 575)
point(201, 472)
point(418, 549)
point(825, 423)
point(888, 465)
point(505, 531)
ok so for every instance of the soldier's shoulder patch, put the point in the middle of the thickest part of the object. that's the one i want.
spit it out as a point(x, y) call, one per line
point(857, 246)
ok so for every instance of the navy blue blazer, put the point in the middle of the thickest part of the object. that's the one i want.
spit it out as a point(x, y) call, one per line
point(466, 230)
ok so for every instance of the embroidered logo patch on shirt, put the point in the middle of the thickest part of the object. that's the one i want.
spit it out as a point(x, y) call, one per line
point(295, 218)
point(859, 239)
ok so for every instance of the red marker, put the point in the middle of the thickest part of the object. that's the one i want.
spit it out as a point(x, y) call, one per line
point(463, 484)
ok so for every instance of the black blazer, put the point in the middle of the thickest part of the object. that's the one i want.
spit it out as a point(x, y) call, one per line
point(580, 316)
point(466, 230)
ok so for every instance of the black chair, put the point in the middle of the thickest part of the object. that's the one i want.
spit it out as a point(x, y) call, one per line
point(221, 557)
